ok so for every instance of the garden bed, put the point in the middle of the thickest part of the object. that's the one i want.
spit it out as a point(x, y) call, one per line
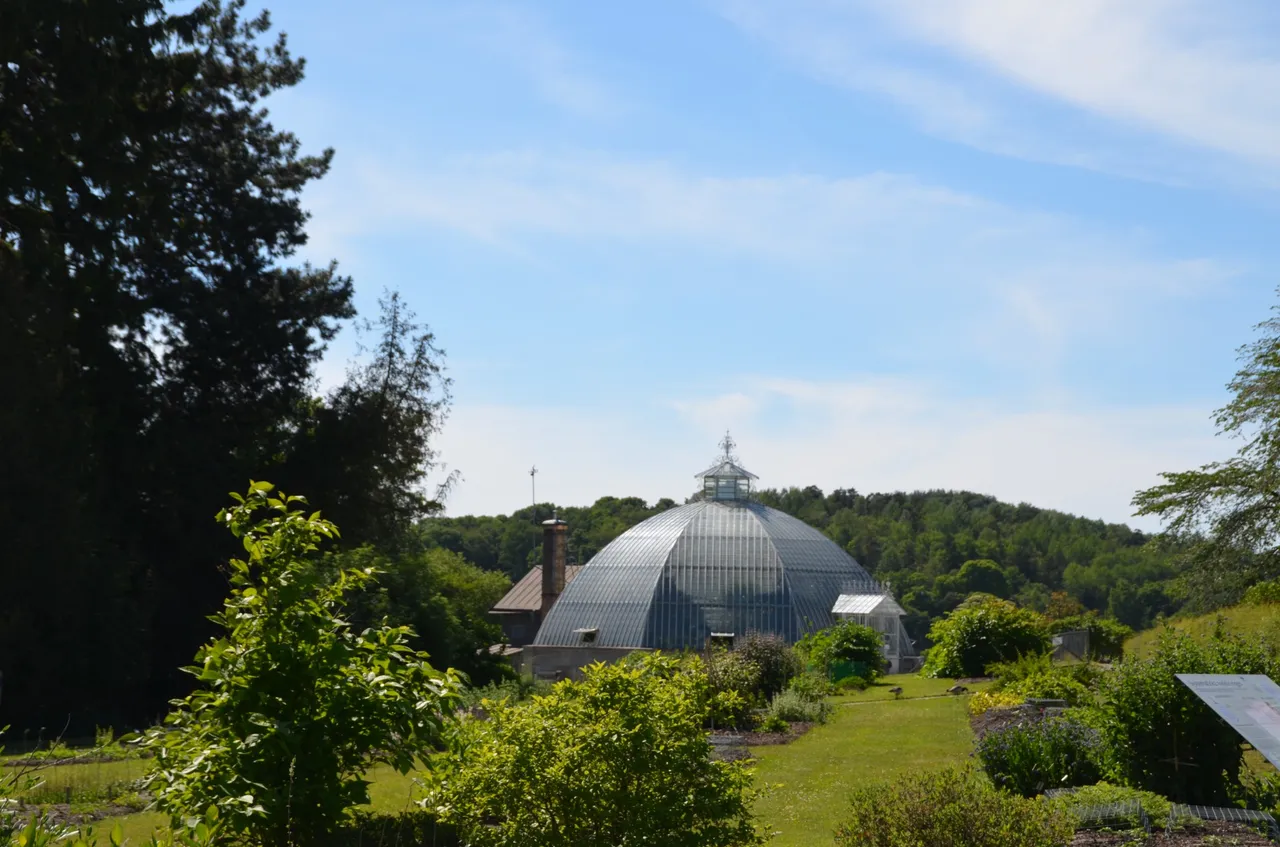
point(994, 720)
point(1218, 833)
point(760, 739)
point(732, 746)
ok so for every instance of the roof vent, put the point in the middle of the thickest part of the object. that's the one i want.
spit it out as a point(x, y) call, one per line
point(587, 636)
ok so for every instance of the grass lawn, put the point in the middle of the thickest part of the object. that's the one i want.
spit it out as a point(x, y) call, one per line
point(858, 745)
point(912, 685)
point(90, 783)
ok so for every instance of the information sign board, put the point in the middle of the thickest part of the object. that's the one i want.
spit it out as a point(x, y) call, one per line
point(1249, 702)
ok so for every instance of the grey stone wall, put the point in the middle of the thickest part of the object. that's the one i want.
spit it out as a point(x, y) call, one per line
point(548, 662)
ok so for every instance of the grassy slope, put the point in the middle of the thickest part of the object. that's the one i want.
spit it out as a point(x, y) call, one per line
point(1250, 620)
point(861, 743)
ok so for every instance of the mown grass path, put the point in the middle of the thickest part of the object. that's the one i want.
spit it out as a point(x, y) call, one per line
point(877, 741)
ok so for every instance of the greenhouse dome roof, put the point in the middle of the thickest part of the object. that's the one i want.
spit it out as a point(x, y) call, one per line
point(725, 566)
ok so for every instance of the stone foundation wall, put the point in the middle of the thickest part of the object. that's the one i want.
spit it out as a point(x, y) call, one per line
point(548, 662)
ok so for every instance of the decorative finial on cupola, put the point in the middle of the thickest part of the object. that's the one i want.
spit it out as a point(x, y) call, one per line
point(726, 479)
point(727, 444)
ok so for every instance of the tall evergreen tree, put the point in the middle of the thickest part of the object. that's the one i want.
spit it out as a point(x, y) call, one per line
point(156, 342)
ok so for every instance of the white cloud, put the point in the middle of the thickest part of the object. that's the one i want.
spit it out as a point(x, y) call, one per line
point(873, 434)
point(499, 197)
point(1150, 82)
point(517, 36)
point(1032, 279)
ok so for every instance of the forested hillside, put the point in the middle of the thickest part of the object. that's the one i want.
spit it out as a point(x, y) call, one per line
point(935, 547)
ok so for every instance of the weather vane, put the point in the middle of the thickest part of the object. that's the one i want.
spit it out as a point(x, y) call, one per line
point(727, 444)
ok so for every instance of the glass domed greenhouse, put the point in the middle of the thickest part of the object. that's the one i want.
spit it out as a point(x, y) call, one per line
point(719, 567)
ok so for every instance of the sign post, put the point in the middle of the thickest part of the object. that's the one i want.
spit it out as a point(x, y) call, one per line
point(1249, 702)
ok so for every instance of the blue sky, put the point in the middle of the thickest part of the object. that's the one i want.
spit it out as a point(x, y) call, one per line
point(998, 245)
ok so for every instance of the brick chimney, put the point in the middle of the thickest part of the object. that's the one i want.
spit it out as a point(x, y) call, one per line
point(555, 536)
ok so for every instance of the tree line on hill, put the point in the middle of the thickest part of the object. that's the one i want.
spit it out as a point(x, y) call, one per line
point(933, 547)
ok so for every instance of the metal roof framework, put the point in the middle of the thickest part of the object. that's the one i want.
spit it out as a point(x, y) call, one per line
point(708, 566)
point(867, 604)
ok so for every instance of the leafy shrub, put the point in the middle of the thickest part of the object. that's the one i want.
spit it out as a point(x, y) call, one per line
point(729, 670)
point(515, 690)
point(846, 641)
point(985, 701)
point(850, 683)
point(1257, 790)
point(735, 682)
point(1028, 672)
point(1104, 793)
point(1034, 756)
point(981, 631)
point(949, 808)
point(1263, 593)
point(620, 757)
point(1053, 686)
point(791, 707)
point(810, 686)
point(773, 723)
point(776, 659)
point(1106, 635)
point(292, 705)
point(1019, 668)
point(1155, 720)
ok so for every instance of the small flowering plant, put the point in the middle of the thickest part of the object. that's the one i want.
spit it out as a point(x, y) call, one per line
point(1032, 757)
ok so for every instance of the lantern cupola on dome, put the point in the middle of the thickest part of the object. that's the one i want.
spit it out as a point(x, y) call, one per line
point(726, 479)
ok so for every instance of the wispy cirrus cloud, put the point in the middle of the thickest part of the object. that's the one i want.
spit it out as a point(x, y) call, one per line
point(1173, 90)
point(517, 36)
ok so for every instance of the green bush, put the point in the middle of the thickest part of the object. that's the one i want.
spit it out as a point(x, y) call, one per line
point(1038, 676)
point(949, 808)
point(292, 705)
point(776, 659)
point(773, 723)
point(810, 686)
point(792, 707)
point(1263, 593)
point(1164, 738)
point(1106, 635)
point(515, 690)
point(620, 757)
point(981, 631)
point(736, 681)
point(1053, 686)
point(1020, 668)
point(850, 683)
point(1031, 757)
point(846, 641)
point(1106, 794)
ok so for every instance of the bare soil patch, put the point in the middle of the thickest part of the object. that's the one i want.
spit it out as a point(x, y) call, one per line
point(732, 746)
point(1200, 834)
point(994, 720)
